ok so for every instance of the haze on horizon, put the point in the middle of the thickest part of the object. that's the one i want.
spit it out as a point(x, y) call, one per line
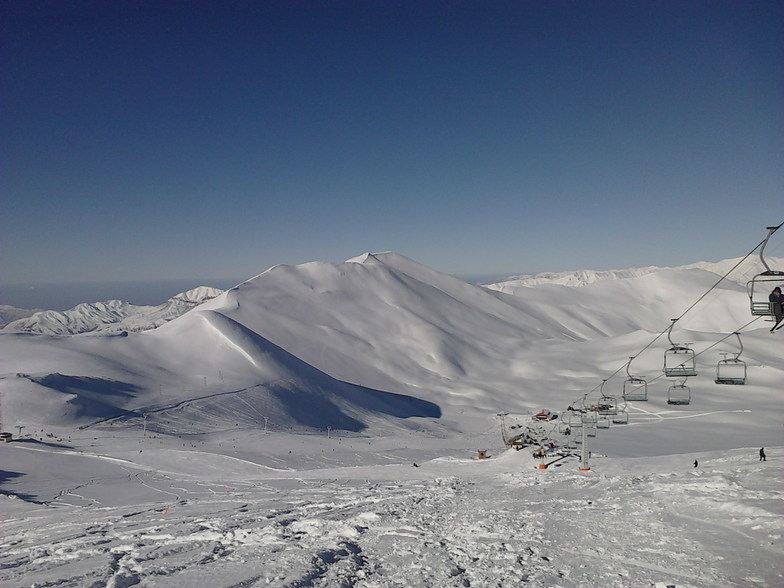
point(151, 142)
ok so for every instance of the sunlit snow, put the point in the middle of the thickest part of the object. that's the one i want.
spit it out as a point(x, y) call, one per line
point(320, 425)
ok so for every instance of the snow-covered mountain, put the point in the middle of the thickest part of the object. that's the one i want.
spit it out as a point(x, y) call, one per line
point(111, 316)
point(9, 314)
point(580, 278)
point(391, 326)
point(324, 419)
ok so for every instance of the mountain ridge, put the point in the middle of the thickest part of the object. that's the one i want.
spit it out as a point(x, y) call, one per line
point(110, 316)
point(389, 325)
point(580, 278)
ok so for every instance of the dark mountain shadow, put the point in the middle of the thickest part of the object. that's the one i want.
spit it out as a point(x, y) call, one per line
point(303, 397)
point(28, 441)
point(312, 401)
point(5, 476)
point(401, 406)
point(86, 384)
point(92, 397)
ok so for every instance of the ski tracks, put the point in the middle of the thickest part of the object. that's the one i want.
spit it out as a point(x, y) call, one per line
point(509, 529)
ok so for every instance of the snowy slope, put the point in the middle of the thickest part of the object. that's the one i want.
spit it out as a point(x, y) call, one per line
point(153, 515)
point(111, 316)
point(269, 437)
point(388, 324)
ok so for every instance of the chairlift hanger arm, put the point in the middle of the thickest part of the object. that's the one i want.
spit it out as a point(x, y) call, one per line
point(771, 230)
point(737, 334)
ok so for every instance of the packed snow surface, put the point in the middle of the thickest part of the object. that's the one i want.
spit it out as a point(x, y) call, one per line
point(321, 425)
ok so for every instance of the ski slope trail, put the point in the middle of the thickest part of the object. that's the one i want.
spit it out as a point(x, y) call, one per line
point(448, 523)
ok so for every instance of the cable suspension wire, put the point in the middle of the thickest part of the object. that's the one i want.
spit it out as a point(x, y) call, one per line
point(724, 277)
point(696, 355)
point(685, 312)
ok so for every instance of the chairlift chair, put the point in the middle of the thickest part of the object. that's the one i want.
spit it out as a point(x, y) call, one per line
point(608, 405)
point(603, 422)
point(679, 394)
point(761, 285)
point(590, 418)
point(678, 359)
point(634, 388)
point(732, 370)
point(574, 418)
point(622, 418)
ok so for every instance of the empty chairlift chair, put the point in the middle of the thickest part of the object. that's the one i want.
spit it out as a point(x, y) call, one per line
point(608, 405)
point(732, 370)
point(574, 418)
point(761, 285)
point(679, 394)
point(679, 358)
point(622, 416)
point(634, 389)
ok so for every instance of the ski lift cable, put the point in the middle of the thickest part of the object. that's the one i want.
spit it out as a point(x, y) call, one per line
point(673, 321)
point(696, 355)
point(724, 277)
point(696, 302)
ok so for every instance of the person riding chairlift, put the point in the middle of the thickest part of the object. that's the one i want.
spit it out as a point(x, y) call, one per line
point(777, 306)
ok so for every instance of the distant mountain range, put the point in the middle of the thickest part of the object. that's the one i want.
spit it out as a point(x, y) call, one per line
point(108, 317)
point(581, 278)
point(117, 316)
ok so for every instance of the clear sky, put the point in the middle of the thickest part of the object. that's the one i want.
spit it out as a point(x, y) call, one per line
point(146, 140)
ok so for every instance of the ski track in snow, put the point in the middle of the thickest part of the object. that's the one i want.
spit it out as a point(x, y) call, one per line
point(718, 525)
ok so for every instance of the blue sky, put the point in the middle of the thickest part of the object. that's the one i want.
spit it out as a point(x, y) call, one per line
point(210, 140)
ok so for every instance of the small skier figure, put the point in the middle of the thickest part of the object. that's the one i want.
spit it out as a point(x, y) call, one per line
point(763, 457)
point(696, 463)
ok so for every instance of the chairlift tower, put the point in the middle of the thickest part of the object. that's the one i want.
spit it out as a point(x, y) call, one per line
point(584, 453)
point(502, 416)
